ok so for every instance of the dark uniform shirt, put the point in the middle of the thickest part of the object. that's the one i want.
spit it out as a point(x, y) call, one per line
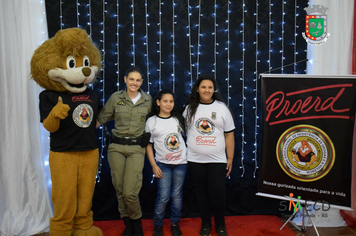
point(77, 131)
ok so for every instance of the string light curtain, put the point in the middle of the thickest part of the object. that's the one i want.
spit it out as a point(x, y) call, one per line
point(175, 41)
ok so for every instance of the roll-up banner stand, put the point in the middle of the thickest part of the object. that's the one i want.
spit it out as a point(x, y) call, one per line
point(307, 136)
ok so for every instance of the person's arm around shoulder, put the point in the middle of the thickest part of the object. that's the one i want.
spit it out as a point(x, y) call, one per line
point(230, 147)
point(155, 169)
point(108, 111)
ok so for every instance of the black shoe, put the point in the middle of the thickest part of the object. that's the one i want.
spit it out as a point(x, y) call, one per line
point(128, 227)
point(137, 227)
point(176, 230)
point(157, 231)
point(205, 229)
point(221, 230)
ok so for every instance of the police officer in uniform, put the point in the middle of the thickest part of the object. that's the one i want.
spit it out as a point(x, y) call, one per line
point(126, 152)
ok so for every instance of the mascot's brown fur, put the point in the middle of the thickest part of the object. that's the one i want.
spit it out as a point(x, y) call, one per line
point(64, 66)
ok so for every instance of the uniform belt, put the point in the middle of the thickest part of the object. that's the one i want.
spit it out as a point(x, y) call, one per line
point(126, 141)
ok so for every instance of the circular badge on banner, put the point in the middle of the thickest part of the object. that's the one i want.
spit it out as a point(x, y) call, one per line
point(83, 115)
point(305, 153)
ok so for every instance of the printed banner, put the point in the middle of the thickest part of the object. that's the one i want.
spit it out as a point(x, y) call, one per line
point(307, 135)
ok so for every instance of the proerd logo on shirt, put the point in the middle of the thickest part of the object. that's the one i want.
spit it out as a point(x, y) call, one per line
point(174, 156)
point(81, 98)
point(205, 126)
point(172, 142)
point(206, 140)
point(83, 115)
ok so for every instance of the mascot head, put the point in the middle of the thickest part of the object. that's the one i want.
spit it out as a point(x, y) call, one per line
point(68, 62)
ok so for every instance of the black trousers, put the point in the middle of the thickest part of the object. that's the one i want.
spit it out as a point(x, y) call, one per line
point(209, 180)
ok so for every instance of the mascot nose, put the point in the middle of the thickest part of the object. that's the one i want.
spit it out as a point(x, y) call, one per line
point(86, 71)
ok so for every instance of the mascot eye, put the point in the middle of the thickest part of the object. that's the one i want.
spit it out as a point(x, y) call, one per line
point(86, 61)
point(70, 62)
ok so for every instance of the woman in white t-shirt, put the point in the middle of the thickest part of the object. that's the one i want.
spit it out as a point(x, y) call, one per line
point(210, 141)
point(169, 165)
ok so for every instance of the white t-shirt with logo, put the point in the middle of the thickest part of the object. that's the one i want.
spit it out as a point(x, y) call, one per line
point(168, 141)
point(206, 139)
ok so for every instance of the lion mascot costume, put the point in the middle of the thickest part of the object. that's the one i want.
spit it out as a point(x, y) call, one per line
point(64, 66)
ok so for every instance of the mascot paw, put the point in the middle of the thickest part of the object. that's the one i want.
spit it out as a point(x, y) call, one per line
point(60, 110)
point(92, 231)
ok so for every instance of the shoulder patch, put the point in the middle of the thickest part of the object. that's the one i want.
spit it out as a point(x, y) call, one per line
point(143, 118)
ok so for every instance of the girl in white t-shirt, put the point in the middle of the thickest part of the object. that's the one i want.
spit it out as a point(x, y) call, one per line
point(169, 165)
point(210, 141)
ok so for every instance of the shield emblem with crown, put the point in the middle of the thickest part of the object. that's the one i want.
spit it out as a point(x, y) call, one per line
point(315, 25)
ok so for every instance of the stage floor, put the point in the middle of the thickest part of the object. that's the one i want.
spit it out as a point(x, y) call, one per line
point(324, 231)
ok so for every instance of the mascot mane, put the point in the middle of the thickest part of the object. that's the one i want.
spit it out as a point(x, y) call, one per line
point(53, 54)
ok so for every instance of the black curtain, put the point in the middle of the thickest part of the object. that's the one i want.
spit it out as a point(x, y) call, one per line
point(264, 36)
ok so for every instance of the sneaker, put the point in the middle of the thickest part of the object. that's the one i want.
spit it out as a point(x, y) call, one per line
point(176, 230)
point(157, 231)
point(205, 229)
point(221, 230)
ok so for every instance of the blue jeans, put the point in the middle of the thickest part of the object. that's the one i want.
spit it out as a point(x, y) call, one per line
point(170, 186)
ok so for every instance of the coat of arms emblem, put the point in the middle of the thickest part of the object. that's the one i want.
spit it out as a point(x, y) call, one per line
point(315, 25)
